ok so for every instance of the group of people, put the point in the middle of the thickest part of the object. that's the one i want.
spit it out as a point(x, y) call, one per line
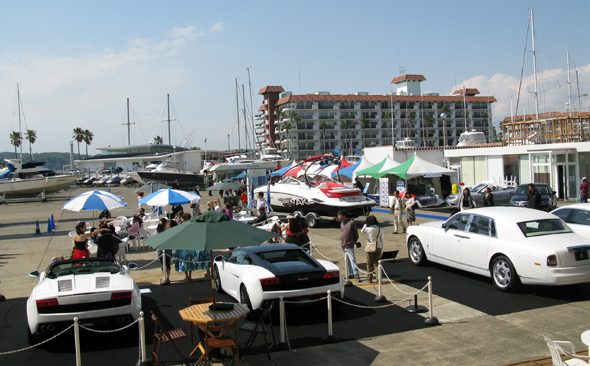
point(407, 203)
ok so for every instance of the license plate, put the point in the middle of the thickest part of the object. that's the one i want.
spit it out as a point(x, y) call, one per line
point(580, 256)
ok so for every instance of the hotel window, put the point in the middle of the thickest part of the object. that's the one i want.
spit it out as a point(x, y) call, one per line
point(326, 105)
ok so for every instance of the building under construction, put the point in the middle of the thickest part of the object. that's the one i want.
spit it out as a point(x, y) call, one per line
point(549, 128)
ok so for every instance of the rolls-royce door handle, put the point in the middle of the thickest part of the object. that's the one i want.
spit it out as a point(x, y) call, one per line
point(461, 236)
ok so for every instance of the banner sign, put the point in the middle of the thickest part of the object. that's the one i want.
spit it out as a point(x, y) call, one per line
point(432, 175)
point(383, 192)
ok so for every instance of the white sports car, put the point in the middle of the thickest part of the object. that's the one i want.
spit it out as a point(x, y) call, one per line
point(510, 244)
point(99, 291)
point(258, 276)
point(577, 217)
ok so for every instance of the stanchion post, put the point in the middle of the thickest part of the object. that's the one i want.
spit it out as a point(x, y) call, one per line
point(282, 346)
point(380, 297)
point(330, 337)
point(77, 342)
point(165, 281)
point(347, 282)
point(431, 320)
point(310, 249)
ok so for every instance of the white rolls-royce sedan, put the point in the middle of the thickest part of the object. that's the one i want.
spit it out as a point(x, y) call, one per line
point(512, 245)
point(98, 291)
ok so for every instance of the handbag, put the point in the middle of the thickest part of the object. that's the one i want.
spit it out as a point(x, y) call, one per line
point(371, 246)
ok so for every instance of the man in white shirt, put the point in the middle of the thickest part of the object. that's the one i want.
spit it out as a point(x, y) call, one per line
point(397, 209)
point(261, 203)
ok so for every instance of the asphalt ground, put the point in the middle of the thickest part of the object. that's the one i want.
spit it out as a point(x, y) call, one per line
point(480, 325)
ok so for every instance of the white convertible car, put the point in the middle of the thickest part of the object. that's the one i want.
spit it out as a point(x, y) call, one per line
point(99, 291)
point(512, 245)
point(258, 276)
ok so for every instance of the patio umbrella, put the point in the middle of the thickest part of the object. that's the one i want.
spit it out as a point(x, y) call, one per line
point(222, 186)
point(170, 197)
point(150, 187)
point(209, 231)
point(93, 202)
point(105, 193)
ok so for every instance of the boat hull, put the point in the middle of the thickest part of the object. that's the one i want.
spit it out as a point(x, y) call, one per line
point(24, 187)
point(184, 180)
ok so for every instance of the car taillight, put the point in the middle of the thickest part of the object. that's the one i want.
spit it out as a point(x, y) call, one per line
point(331, 274)
point(270, 281)
point(120, 295)
point(552, 261)
point(48, 302)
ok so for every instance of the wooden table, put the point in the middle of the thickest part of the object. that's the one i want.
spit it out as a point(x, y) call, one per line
point(201, 315)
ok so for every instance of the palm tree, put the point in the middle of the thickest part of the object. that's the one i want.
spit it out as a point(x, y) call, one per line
point(485, 120)
point(297, 120)
point(279, 114)
point(323, 126)
point(447, 110)
point(346, 124)
point(364, 124)
point(158, 140)
point(15, 139)
point(287, 127)
point(78, 136)
point(411, 117)
point(386, 116)
point(88, 137)
point(31, 136)
point(429, 120)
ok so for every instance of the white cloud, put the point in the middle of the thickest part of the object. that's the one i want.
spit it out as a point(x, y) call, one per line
point(217, 28)
point(552, 92)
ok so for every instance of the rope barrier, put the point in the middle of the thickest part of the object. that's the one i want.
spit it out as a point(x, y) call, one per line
point(38, 344)
point(330, 259)
point(110, 331)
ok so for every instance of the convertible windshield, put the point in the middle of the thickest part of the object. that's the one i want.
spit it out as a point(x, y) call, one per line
point(83, 267)
point(543, 227)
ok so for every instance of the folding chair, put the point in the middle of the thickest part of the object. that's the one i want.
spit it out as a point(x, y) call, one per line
point(212, 342)
point(195, 302)
point(161, 336)
point(260, 327)
point(556, 349)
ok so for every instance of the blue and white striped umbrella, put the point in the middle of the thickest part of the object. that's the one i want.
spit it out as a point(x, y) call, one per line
point(170, 197)
point(92, 202)
point(105, 193)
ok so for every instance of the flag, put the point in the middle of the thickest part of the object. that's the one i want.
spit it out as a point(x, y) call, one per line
point(336, 151)
point(357, 151)
point(268, 209)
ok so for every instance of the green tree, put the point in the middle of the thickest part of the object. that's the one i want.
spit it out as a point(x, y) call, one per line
point(79, 137)
point(158, 140)
point(323, 126)
point(411, 117)
point(428, 119)
point(364, 124)
point(297, 120)
point(88, 137)
point(16, 138)
point(287, 126)
point(446, 110)
point(31, 136)
point(346, 124)
point(387, 116)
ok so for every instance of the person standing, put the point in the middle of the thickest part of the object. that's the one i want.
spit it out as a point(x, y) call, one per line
point(374, 246)
point(108, 244)
point(196, 206)
point(261, 203)
point(216, 205)
point(165, 255)
point(534, 197)
point(466, 201)
point(397, 209)
point(584, 187)
point(80, 245)
point(409, 201)
point(349, 237)
point(488, 198)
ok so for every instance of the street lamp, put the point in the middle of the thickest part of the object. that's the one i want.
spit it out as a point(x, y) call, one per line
point(444, 117)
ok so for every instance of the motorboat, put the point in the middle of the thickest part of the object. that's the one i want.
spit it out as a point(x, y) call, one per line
point(270, 154)
point(31, 178)
point(316, 198)
point(471, 138)
point(113, 180)
point(406, 143)
point(166, 173)
point(238, 164)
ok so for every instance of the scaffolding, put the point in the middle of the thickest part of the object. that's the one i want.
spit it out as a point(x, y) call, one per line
point(554, 128)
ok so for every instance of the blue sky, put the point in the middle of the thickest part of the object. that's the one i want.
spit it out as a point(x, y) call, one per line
point(77, 62)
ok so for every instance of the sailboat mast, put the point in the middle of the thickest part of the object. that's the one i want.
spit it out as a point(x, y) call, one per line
point(569, 86)
point(535, 65)
point(245, 119)
point(19, 124)
point(169, 135)
point(238, 113)
point(128, 125)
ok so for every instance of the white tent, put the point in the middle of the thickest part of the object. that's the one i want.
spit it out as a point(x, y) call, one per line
point(362, 166)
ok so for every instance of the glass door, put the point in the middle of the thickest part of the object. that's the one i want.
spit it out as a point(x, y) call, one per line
point(571, 180)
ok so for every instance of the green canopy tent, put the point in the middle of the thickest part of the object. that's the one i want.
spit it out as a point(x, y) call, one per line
point(416, 167)
point(372, 170)
point(209, 231)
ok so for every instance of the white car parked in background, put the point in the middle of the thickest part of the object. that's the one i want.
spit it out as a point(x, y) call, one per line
point(577, 217)
point(512, 245)
point(99, 291)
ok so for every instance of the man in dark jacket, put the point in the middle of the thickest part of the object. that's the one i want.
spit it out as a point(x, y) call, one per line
point(108, 244)
point(534, 197)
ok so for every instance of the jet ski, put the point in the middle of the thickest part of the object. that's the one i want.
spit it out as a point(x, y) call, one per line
point(318, 197)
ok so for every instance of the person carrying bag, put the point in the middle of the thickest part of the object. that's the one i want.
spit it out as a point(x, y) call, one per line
point(375, 241)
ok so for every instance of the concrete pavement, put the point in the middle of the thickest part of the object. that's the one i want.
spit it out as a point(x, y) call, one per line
point(466, 337)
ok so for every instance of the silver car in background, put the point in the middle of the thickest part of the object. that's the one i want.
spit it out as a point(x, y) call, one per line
point(502, 196)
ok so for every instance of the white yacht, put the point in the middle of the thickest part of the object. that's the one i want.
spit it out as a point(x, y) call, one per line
point(31, 178)
point(470, 138)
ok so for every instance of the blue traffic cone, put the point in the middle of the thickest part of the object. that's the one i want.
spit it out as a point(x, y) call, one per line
point(109, 188)
point(52, 223)
point(49, 228)
point(37, 229)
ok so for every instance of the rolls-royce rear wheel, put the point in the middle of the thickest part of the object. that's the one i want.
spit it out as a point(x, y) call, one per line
point(416, 252)
point(504, 275)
